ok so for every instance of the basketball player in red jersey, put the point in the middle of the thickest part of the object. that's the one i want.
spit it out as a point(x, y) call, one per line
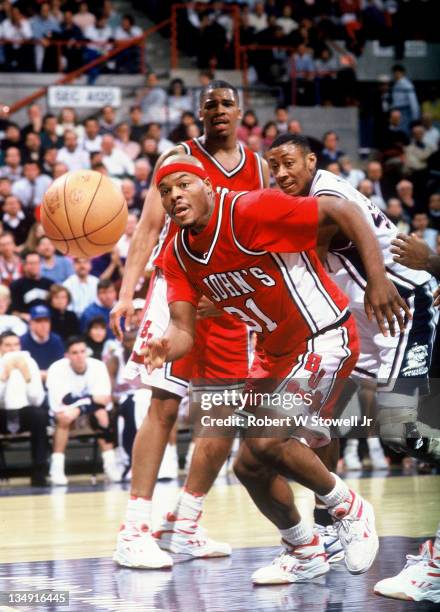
point(253, 255)
point(220, 350)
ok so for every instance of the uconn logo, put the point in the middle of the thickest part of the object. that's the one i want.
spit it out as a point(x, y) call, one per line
point(224, 285)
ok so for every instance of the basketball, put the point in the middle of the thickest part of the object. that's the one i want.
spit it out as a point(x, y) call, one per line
point(83, 213)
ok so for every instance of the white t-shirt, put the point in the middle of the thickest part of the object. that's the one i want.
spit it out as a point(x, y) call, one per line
point(16, 393)
point(62, 379)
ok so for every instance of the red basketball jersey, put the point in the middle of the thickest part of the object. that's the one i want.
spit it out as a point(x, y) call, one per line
point(256, 261)
point(246, 176)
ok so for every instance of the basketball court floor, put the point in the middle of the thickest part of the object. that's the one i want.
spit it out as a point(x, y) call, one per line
point(62, 540)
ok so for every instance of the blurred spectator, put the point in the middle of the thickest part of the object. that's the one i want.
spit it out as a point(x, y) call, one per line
point(123, 243)
point(326, 67)
point(9, 322)
point(394, 138)
point(31, 150)
point(79, 385)
point(31, 289)
point(180, 132)
point(10, 263)
point(124, 142)
point(49, 136)
point(152, 100)
point(149, 151)
point(366, 188)
point(258, 18)
point(65, 323)
point(335, 168)
point(432, 134)
point(5, 189)
point(381, 189)
point(69, 121)
point(138, 128)
point(331, 151)
point(16, 221)
point(31, 188)
point(59, 169)
point(106, 297)
point(281, 119)
point(210, 42)
point(12, 168)
point(72, 154)
point(255, 143)
point(99, 36)
point(84, 18)
point(404, 97)
point(35, 116)
point(269, 134)
point(286, 21)
point(95, 337)
point(129, 193)
point(128, 61)
point(142, 179)
point(111, 15)
point(15, 29)
point(301, 68)
point(72, 52)
point(405, 193)
point(178, 101)
point(155, 131)
point(42, 27)
point(55, 10)
point(50, 161)
point(420, 224)
point(294, 127)
point(417, 152)
point(22, 402)
point(107, 122)
point(56, 268)
point(109, 266)
point(92, 139)
point(249, 125)
point(434, 210)
point(82, 286)
point(12, 137)
point(116, 161)
point(43, 345)
point(394, 213)
point(353, 175)
point(34, 234)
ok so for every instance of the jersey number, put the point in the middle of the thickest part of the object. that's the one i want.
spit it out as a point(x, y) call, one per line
point(253, 324)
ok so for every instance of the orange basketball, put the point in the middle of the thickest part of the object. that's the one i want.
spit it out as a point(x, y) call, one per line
point(84, 213)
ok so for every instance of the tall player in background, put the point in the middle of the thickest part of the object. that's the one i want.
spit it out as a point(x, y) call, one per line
point(385, 361)
point(220, 350)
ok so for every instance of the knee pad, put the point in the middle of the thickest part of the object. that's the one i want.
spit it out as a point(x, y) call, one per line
point(105, 433)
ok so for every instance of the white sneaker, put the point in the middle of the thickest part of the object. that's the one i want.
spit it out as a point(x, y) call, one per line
point(355, 525)
point(57, 475)
point(351, 459)
point(332, 544)
point(136, 547)
point(187, 537)
point(419, 579)
point(378, 459)
point(295, 564)
point(112, 468)
point(169, 468)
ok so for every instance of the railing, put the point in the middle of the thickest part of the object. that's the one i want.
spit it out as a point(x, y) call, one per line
point(235, 13)
point(121, 46)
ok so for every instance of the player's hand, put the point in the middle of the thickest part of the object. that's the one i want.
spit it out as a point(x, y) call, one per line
point(122, 308)
point(155, 353)
point(411, 251)
point(382, 300)
point(437, 297)
point(207, 309)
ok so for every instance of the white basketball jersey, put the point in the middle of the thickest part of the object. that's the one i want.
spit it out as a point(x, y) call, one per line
point(345, 261)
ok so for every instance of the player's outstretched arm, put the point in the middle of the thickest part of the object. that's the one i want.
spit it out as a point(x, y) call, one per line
point(177, 340)
point(141, 246)
point(413, 252)
point(382, 299)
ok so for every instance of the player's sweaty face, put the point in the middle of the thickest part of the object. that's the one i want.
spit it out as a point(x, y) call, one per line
point(220, 112)
point(185, 198)
point(292, 169)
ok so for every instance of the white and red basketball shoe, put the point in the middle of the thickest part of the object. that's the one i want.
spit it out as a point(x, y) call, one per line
point(136, 547)
point(295, 564)
point(419, 580)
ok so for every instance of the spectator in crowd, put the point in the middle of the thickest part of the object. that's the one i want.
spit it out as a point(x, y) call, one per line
point(34, 234)
point(420, 224)
point(50, 161)
point(269, 134)
point(56, 268)
point(43, 25)
point(16, 29)
point(84, 18)
point(210, 42)
point(22, 402)
point(180, 132)
point(69, 121)
point(434, 210)
point(142, 180)
point(82, 286)
point(95, 337)
point(9, 322)
point(301, 67)
point(405, 193)
point(366, 188)
point(154, 131)
point(286, 21)
point(417, 152)
point(129, 192)
point(152, 100)
point(101, 307)
point(65, 323)
point(137, 127)
point(404, 97)
point(15, 221)
point(249, 126)
point(43, 345)
point(281, 119)
point(31, 188)
point(178, 101)
point(123, 243)
point(49, 136)
point(258, 18)
point(394, 138)
point(335, 168)
point(107, 121)
point(92, 139)
point(149, 151)
point(70, 33)
point(394, 212)
point(111, 15)
point(12, 168)
point(125, 143)
point(35, 117)
point(110, 265)
point(5, 189)
point(99, 36)
point(326, 67)
point(353, 175)
point(295, 127)
point(72, 154)
point(381, 189)
point(255, 143)
point(432, 134)
point(331, 151)
point(128, 61)
point(80, 385)
point(12, 137)
point(31, 150)
point(10, 263)
point(31, 289)
point(116, 161)
point(59, 169)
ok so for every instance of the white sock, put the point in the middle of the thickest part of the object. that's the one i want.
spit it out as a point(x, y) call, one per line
point(352, 444)
point(298, 534)
point(108, 456)
point(57, 459)
point(138, 511)
point(374, 444)
point(338, 494)
point(189, 505)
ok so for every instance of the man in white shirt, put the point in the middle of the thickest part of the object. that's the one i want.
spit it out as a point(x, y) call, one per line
point(258, 18)
point(82, 286)
point(92, 139)
point(31, 188)
point(117, 162)
point(12, 168)
point(15, 29)
point(80, 385)
point(22, 397)
point(73, 155)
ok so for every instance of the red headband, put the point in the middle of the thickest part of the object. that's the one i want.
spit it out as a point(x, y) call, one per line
point(180, 167)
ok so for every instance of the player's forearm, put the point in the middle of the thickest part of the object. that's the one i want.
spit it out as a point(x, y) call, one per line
point(139, 252)
point(181, 342)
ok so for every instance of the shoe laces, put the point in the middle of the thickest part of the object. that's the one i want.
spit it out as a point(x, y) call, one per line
point(350, 529)
point(424, 556)
point(327, 530)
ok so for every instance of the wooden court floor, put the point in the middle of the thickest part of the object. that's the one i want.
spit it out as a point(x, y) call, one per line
point(63, 540)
